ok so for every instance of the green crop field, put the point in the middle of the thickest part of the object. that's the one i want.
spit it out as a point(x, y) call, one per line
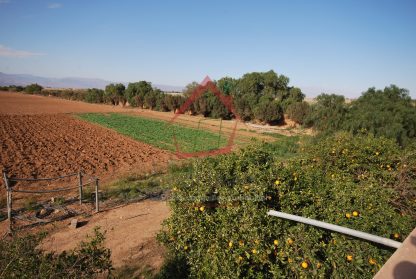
point(158, 133)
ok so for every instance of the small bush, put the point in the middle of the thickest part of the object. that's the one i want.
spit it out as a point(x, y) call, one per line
point(33, 88)
point(21, 258)
point(31, 204)
point(219, 222)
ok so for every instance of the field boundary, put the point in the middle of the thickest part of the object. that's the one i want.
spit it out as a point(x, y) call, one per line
point(9, 183)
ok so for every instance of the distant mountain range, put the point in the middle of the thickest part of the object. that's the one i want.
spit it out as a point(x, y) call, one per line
point(69, 82)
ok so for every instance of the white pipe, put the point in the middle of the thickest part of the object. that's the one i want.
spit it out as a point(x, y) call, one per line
point(343, 230)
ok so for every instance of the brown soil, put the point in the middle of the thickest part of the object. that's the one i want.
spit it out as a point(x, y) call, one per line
point(130, 233)
point(57, 144)
point(18, 103)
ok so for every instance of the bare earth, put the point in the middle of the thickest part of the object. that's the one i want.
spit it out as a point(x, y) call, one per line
point(49, 145)
point(130, 233)
point(18, 103)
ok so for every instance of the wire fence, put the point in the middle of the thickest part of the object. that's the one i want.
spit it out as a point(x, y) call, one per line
point(11, 187)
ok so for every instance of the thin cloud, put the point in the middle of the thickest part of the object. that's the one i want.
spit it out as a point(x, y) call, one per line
point(54, 5)
point(9, 52)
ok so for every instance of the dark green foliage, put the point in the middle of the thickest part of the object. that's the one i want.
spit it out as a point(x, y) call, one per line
point(94, 95)
point(328, 114)
point(390, 113)
point(33, 88)
point(173, 102)
point(387, 112)
point(114, 94)
point(298, 112)
point(137, 91)
point(256, 96)
point(269, 112)
point(12, 88)
point(69, 94)
point(20, 257)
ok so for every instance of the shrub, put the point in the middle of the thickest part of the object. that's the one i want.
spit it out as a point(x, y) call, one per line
point(269, 112)
point(21, 258)
point(33, 88)
point(298, 111)
point(387, 113)
point(219, 222)
point(328, 114)
point(94, 95)
point(30, 204)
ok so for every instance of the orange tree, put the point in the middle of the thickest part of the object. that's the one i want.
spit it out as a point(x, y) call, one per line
point(219, 221)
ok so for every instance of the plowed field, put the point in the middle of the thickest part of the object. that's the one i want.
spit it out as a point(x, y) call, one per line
point(48, 145)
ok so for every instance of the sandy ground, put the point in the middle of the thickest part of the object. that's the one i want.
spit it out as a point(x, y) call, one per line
point(130, 233)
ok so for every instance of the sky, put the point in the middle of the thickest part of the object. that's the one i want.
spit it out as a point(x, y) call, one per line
point(342, 47)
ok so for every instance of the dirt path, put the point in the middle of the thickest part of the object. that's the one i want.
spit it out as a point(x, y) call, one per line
point(130, 233)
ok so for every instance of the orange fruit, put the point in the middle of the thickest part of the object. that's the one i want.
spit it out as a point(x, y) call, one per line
point(372, 261)
point(304, 264)
point(349, 258)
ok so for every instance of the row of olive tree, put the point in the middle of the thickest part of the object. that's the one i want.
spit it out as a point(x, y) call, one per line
point(257, 96)
point(141, 94)
point(31, 88)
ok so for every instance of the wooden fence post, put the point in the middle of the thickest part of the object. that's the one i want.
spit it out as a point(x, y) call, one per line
point(80, 186)
point(9, 200)
point(97, 206)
